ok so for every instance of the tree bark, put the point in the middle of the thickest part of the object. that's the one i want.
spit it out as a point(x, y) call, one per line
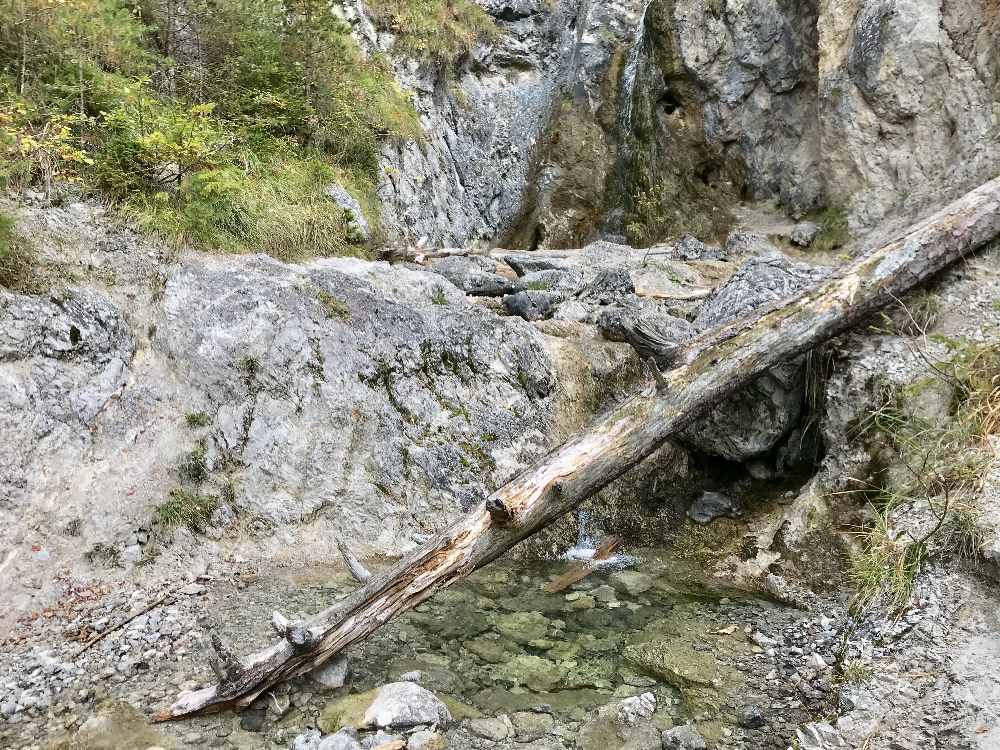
point(707, 370)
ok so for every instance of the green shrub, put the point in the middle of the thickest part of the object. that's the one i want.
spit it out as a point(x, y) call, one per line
point(231, 151)
point(196, 419)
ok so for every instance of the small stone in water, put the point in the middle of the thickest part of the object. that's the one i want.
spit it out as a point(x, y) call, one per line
point(494, 730)
point(750, 717)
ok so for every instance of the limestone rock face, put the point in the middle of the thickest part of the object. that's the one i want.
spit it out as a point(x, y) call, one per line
point(62, 359)
point(340, 381)
point(484, 127)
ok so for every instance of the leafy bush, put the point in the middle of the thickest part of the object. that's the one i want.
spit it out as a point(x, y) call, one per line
point(228, 146)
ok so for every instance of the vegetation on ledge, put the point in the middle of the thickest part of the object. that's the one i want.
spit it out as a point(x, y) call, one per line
point(439, 30)
point(219, 123)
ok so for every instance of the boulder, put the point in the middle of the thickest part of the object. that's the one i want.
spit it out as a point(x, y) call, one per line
point(333, 674)
point(405, 704)
point(533, 304)
point(757, 418)
point(530, 726)
point(474, 275)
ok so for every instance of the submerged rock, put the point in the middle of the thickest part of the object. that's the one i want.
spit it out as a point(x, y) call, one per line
point(626, 724)
point(530, 726)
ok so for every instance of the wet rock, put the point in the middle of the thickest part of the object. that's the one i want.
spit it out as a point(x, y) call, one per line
point(533, 672)
point(523, 627)
point(626, 724)
point(683, 738)
point(342, 740)
point(631, 582)
point(489, 650)
point(352, 211)
point(347, 711)
point(712, 505)
point(804, 233)
point(405, 704)
point(495, 730)
point(333, 674)
point(530, 726)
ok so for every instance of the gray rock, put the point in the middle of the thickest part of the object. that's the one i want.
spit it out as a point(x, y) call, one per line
point(804, 233)
point(712, 505)
point(413, 676)
point(631, 582)
point(406, 704)
point(340, 741)
point(691, 248)
point(352, 210)
point(379, 739)
point(532, 304)
point(757, 418)
point(566, 281)
point(750, 717)
point(474, 275)
point(333, 674)
point(628, 724)
point(495, 730)
point(682, 738)
point(525, 263)
point(530, 726)
point(307, 740)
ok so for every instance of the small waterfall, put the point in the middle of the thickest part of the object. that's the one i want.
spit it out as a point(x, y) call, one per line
point(586, 546)
point(631, 70)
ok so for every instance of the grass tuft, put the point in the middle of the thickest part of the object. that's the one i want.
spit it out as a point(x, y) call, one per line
point(834, 230)
point(184, 508)
point(196, 419)
point(436, 30)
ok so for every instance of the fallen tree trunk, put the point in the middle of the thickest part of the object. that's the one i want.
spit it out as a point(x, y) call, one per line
point(707, 370)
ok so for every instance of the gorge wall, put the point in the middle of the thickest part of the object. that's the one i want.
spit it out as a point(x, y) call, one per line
point(587, 119)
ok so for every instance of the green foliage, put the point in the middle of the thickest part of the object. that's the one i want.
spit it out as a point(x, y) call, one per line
point(184, 508)
point(885, 572)
point(197, 419)
point(192, 466)
point(438, 30)
point(17, 261)
point(227, 145)
point(833, 232)
point(439, 297)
